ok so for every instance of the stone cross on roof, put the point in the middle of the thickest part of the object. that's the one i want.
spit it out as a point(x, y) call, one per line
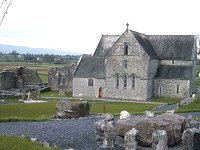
point(127, 26)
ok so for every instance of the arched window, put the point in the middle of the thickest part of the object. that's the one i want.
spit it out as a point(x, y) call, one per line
point(125, 81)
point(90, 82)
point(125, 48)
point(117, 81)
point(133, 81)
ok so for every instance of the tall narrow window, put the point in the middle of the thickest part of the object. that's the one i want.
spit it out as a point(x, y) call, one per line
point(125, 48)
point(117, 80)
point(90, 82)
point(125, 81)
point(177, 89)
point(133, 81)
point(160, 90)
point(125, 63)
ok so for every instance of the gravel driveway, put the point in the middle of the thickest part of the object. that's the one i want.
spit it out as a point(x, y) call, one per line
point(70, 133)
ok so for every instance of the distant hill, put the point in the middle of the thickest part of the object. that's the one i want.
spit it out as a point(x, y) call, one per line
point(24, 50)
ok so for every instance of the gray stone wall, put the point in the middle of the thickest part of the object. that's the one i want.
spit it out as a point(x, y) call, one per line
point(176, 62)
point(137, 93)
point(138, 64)
point(168, 88)
point(152, 68)
point(61, 78)
point(28, 75)
point(194, 61)
point(82, 90)
point(137, 59)
point(7, 80)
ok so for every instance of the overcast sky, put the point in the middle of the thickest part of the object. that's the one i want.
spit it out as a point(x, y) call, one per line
point(77, 25)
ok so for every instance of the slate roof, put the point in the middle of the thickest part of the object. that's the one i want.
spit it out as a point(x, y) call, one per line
point(174, 72)
point(106, 42)
point(146, 44)
point(91, 67)
point(173, 46)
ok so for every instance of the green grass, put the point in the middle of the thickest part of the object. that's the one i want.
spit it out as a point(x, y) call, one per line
point(166, 100)
point(50, 94)
point(43, 111)
point(18, 143)
point(197, 81)
point(55, 94)
point(192, 107)
point(116, 107)
point(43, 77)
point(27, 112)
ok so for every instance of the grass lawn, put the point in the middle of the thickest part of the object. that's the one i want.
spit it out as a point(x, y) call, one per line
point(50, 94)
point(166, 100)
point(192, 107)
point(116, 107)
point(43, 111)
point(18, 143)
point(27, 112)
point(197, 81)
point(43, 77)
point(55, 94)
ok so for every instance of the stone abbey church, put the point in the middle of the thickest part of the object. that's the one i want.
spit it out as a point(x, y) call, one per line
point(136, 66)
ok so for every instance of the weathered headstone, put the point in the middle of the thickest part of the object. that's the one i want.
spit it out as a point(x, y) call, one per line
point(130, 139)
point(109, 135)
point(191, 139)
point(101, 125)
point(159, 140)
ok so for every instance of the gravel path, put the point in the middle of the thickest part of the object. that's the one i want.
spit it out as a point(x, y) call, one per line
point(70, 133)
point(165, 108)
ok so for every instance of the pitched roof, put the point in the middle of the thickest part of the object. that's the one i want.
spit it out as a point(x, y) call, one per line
point(106, 42)
point(145, 43)
point(173, 46)
point(91, 67)
point(174, 72)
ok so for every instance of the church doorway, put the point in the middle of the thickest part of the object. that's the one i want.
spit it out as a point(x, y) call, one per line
point(100, 92)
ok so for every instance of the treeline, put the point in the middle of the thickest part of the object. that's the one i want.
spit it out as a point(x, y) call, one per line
point(38, 58)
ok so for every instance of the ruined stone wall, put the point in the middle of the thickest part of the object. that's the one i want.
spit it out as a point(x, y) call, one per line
point(29, 75)
point(61, 78)
point(7, 80)
point(172, 88)
point(82, 90)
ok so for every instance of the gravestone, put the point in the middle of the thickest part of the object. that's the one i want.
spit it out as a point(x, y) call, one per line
point(130, 139)
point(191, 139)
point(159, 140)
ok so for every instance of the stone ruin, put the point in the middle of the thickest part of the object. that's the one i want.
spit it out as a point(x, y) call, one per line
point(15, 84)
point(158, 132)
point(66, 110)
point(60, 78)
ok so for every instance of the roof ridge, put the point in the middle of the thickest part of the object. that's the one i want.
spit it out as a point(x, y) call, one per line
point(145, 43)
